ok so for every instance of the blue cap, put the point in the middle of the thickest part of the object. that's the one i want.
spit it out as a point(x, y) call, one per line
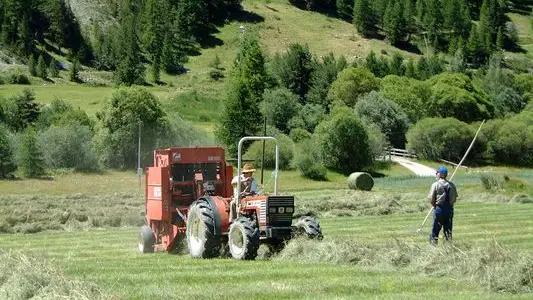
point(442, 170)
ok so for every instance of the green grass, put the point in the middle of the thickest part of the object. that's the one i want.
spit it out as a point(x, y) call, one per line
point(106, 255)
point(108, 258)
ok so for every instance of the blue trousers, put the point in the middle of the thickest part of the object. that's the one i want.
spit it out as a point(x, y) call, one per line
point(442, 218)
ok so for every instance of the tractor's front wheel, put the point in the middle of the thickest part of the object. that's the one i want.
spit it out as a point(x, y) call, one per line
point(146, 240)
point(201, 239)
point(243, 239)
point(309, 227)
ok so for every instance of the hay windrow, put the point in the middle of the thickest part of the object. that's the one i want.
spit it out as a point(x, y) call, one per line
point(31, 214)
point(356, 203)
point(492, 266)
point(28, 277)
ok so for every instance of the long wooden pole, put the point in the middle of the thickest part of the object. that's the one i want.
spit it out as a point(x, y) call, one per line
point(453, 174)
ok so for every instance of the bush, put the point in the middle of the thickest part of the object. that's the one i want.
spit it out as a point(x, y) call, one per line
point(69, 147)
point(387, 115)
point(412, 95)
point(308, 117)
point(17, 76)
point(30, 158)
point(120, 119)
point(434, 138)
point(512, 142)
point(350, 84)
point(286, 152)
point(299, 134)
point(7, 158)
point(62, 113)
point(278, 107)
point(216, 74)
point(307, 161)
point(343, 142)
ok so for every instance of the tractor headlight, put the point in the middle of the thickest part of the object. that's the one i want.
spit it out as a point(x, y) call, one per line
point(289, 209)
point(281, 209)
point(272, 210)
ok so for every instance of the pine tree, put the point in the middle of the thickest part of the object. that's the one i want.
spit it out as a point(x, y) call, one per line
point(32, 67)
point(499, 40)
point(52, 68)
point(475, 48)
point(7, 157)
point(31, 160)
point(345, 9)
point(22, 111)
point(74, 72)
point(156, 69)
point(396, 65)
point(457, 63)
point(41, 67)
point(363, 18)
point(241, 115)
point(154, 33)
point(176, 44)
point(422, 69)
point(394, 23)
point(410, 69)
point(130, 69)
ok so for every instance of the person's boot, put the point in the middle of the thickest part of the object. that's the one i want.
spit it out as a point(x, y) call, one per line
point(433, 241)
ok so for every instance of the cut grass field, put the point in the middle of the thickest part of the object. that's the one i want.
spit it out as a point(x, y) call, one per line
point(374, 252)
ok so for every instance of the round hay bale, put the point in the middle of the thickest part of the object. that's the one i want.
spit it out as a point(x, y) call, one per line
point(360, 181)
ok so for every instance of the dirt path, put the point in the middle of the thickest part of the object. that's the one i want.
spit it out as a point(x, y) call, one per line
point(416, 168)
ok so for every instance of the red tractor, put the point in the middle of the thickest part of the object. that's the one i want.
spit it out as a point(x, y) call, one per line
point(189, 195)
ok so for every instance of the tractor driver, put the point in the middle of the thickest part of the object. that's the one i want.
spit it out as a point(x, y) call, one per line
point(248, 186)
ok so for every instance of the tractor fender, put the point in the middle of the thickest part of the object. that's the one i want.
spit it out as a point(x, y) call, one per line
point(221, 218)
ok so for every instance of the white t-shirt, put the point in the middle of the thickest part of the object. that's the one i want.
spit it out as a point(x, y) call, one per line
point(244, 183)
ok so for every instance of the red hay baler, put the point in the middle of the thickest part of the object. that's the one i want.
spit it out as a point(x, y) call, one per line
point(189, 195)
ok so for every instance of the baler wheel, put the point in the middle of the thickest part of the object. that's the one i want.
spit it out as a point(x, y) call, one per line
point(243, 239)
point(146, 240)
point(310, 227)
point(201, 239)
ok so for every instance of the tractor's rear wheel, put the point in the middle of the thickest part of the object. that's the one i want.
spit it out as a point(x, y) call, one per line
point(146, 240)
point(309, 227)
point(243, 239)
point(201, 239)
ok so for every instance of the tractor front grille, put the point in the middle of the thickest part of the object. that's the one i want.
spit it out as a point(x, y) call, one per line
point(280, 210)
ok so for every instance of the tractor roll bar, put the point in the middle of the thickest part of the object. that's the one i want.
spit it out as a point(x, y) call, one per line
point(239, 158)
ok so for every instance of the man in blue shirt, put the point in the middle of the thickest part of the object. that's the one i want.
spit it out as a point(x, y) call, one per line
point(442, 197)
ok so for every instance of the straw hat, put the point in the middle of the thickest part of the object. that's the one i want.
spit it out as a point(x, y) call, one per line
point(248, 168)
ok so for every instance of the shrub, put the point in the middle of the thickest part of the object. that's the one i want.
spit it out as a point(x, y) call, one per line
point(69, 147)
point(412, 95)
point(7, 158)
point(278, 107)
point(350, 84)
point(434, 138)
point(30, 159)
point(343, 142)
point(216, 74)
point(299, 134)
point(307, 161)
point(17, 76)
point(387, 115)
point(21, 110)
point(285, 148)
point(120, 119)
point(512, 143)
point(308, 117)
point(62, 113)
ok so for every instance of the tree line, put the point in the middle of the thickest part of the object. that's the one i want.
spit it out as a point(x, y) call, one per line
point(158, 32)
point(474, 27)
point(341, 115)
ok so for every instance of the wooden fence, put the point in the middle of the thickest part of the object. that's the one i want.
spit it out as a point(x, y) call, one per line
point(388, 152)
